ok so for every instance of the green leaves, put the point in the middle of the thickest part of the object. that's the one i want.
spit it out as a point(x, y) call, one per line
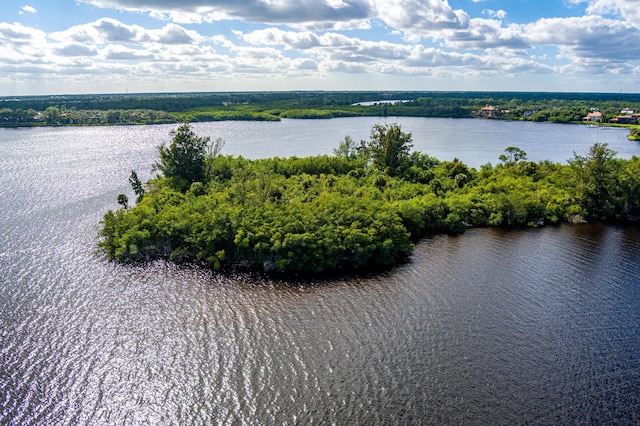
point(183, 161)
point(389, 147)
point(324, 213)
point(136, 185)
point(598, 181)
point(512, 155)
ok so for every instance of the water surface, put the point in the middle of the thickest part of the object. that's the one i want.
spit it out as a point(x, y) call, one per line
point(474, 141)
point(491, 327)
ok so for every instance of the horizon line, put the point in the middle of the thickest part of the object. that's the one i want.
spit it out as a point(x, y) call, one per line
point(231, 92)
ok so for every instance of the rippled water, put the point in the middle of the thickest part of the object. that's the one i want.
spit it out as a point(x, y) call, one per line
point(492, 327)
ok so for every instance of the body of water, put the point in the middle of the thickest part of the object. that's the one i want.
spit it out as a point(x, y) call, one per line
point(474, 141)
point(492, 327)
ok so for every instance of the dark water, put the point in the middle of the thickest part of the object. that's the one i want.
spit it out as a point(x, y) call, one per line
point(492, 327)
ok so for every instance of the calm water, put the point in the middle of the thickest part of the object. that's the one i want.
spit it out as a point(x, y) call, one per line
point(492, 327)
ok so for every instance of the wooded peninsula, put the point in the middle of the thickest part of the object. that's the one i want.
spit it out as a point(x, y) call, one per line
point(362, 207)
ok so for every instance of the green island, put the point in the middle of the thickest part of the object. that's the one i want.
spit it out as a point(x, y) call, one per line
point(612, 109)
point(363, 207)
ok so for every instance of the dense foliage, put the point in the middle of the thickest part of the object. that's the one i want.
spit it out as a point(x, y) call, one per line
point(364, 206)
point(183, 161)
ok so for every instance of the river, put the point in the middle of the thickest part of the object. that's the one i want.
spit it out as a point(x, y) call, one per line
point(510, 327)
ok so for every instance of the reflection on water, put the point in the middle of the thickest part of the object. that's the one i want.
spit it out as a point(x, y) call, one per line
point(492, 327)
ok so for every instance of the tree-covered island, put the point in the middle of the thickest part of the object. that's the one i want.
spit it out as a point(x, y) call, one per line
point(364, 206)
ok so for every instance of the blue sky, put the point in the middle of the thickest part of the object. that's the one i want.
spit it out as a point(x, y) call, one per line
point(117, 46)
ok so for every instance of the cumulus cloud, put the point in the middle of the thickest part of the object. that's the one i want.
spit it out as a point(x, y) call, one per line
point(420, 15)
point(27, 9)
point(499, 14)
point(335, 52)
point(345, 67)
point(299, 40)
point(627, 9)
point(175, 34)
point(119, 53)
point(19, 34)
point(304, 64)
point(283, 11)
point(487, 34)
point(588, 37)
point(333, 46)
point(108, 30)
point(281, 39)
point(76, 50)
point(413, 16)
point(115, 31)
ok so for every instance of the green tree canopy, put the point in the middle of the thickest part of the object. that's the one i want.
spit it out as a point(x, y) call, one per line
point(598, 185)
point(183, 161)
point(512, 154)
point(389, 147)
point(347, 148)
point(136, 185)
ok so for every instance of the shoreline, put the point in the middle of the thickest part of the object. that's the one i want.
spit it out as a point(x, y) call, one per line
point(177, 121)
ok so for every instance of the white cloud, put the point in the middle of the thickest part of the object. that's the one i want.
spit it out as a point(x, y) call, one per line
point(338, 53)
point(500, 14)
point(175, 34)
point(414, 38)
point(487, 34)
point(282, 11)
point(18, 34)
point(108, 30)
point(120, 53)
point(588, 37)
point(627, 9)
point(418, 16)
point(288, 39)
point(27, 9)
point(344, 67)
point(76, 50)
point(304, 64)
point(330, 46)
point(413, 16)
point(115, 31)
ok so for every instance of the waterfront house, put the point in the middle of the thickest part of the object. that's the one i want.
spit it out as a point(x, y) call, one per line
point(594, 117)
point(487, 111)
point(626, 119)
point(623, 119)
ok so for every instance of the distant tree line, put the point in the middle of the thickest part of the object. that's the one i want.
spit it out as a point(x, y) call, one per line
point(54, 116)
point(179, 107)
point(365, 206)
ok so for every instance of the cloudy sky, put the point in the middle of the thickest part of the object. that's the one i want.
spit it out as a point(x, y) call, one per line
point(115, 46)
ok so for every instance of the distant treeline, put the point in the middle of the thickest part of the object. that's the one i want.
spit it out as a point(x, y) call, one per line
point(178, 107)
point(362, 207)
